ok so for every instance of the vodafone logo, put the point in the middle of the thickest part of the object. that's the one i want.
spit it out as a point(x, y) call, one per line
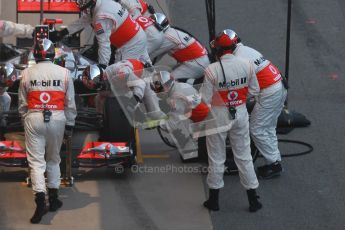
point(273, 69)
point(45, 97)
point(143, 19)
point(232, 95)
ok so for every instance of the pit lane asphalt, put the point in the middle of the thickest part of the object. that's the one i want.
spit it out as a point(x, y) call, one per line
point(158, 194)
point(310, 193)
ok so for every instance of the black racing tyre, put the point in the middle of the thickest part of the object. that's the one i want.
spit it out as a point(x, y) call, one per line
point(231, 167)
point(202, 150)
point(255, 151)
point(133, 159)
point(166, 138)
point(116, 126)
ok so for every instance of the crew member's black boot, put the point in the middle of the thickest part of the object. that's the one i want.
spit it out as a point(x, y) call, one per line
point(41, 208)
point(254, 204)
point(270, 170)
point(212, 202)
point(54, 202)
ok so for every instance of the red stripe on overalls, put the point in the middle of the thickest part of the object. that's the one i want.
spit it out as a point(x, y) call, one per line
point(138, 67)
point(193, 51)
point(144, 22)
point(127, 30)
point(200, 112)
point(268, 76)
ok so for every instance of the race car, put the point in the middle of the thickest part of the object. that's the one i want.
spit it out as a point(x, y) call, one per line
point(12, 154)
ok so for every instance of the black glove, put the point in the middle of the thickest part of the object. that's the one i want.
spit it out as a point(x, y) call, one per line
point(151, 9)
point(285, 81)
point(68, 131)
point(137, 98)
point(56, 36)
point(103, 66)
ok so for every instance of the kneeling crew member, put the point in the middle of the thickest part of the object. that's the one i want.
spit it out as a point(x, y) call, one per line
point(185, 107)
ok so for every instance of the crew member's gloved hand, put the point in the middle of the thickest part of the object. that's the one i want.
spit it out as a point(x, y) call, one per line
point(137, 98)
point(163, 125)
point(68, 131)
point(151, 124)
point(56, 36)
point(103, 66)
point(151, 9)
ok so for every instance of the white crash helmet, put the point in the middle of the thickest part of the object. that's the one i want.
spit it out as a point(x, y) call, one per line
point(8, 75)
point(161, 21)
point(161, 82)
point(92, 76)
point(226, 40)
point(44, 50)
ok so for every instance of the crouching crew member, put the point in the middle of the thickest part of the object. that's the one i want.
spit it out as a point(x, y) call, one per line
point(124, 77)
point(112, 25)
point(191, 56)
point(186, 107)
point(269, 104)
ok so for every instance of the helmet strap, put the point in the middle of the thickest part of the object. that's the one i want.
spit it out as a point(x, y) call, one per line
point(37, 61)
point(221, 65)
point(220, 51)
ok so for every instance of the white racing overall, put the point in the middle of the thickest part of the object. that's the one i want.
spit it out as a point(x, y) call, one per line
point(269, 104)
point(136, 8)
point(189, 53)
point(8, 28)
point(128, 76)
point(45, 85)
point(154, 36)
point(240, 80)
point(113, 25)
point(186, 107)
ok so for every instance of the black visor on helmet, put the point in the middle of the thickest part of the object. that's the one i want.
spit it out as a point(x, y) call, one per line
point(44, 50)
point(157, 86)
